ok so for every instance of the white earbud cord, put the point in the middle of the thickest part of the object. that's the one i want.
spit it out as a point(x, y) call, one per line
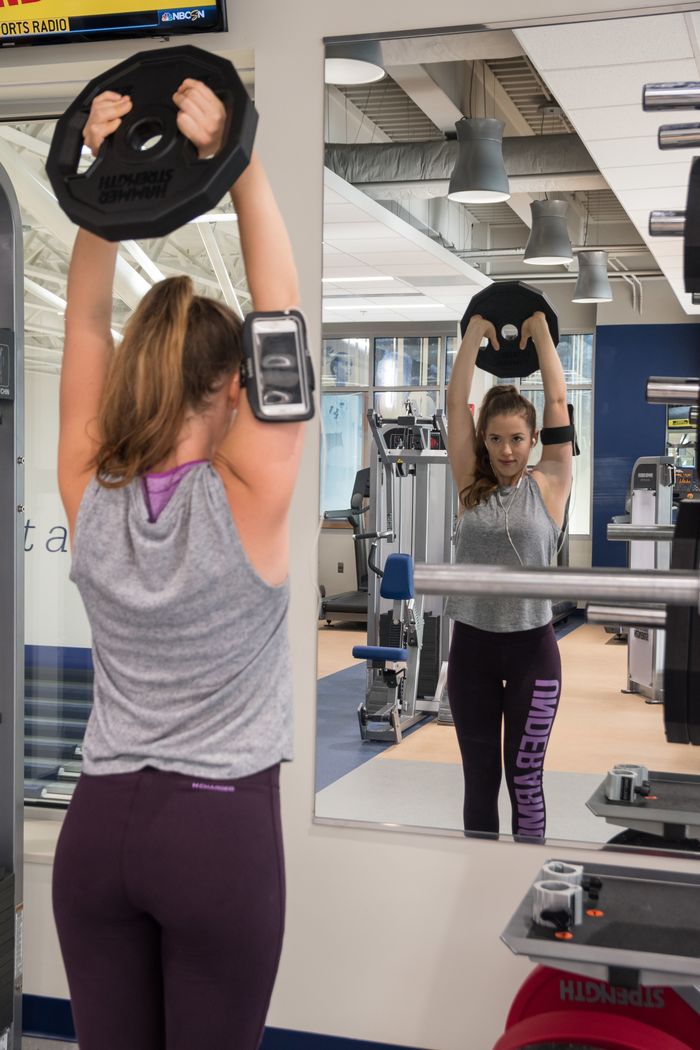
point(505, 512)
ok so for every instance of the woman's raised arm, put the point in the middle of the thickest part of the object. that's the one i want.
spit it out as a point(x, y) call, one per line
point(461, 434)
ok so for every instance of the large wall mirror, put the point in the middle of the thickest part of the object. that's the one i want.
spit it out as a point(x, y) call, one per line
point(401, 263)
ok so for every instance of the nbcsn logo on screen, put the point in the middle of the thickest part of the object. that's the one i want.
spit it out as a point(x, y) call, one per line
point(195, 14)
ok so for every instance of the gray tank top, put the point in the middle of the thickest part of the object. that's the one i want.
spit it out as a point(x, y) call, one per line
point(481, 539)
point(190, 645)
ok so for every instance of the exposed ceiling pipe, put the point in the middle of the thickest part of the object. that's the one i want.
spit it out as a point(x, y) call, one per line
point(638, 300)
point(634, 285)
point(546, 159)
point(541, 277)
point(517, 253)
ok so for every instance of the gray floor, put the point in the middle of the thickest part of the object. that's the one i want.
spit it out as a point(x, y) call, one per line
point(429, 794)
point(46, 1044)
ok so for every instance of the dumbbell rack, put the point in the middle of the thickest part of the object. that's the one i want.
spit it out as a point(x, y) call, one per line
point(671, 811)
point(641, 927)
point(619, 960)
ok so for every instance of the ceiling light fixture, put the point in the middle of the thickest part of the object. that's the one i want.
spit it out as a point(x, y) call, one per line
point(548, 244)
point(479, 175)
point(592, 285)
point(357, 62)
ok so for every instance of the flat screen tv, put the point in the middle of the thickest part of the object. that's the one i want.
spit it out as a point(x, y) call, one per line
point(25, 22)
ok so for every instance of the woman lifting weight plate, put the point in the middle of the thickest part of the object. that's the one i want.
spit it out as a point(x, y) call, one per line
point(168, 884)
point(504, 669)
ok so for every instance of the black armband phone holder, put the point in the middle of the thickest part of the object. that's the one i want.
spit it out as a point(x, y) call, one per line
point(561, 435)
point(277, 371)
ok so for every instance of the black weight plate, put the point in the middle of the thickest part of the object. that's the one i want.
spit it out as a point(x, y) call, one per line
point(694, 648)
point(684, 555)
point(503, 303)
point(691, 242)
point(139, 193)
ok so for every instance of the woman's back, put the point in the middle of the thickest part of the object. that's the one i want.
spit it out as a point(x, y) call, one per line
point(192, 671)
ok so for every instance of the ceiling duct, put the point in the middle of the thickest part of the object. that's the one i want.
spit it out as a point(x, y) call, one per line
point(560, 159)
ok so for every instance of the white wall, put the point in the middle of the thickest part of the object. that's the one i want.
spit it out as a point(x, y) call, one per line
point(334, 546)
point(425, 912)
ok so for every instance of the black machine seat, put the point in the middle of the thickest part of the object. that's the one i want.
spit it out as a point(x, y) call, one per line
point(351, 605)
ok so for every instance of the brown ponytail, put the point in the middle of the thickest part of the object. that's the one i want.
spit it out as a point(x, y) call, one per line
point(499, 400)
point(176, 352)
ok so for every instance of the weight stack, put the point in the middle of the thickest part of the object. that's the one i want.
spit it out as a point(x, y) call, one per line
point(389, 632)
point(7, 948)
point(429, 670)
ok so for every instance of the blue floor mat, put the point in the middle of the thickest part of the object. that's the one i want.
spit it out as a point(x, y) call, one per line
point(575, 619)
point(339, 747)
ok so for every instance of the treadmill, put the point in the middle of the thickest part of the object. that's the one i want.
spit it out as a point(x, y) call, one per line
point(351, 605)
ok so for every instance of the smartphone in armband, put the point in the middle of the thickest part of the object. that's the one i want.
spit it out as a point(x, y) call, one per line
point(278, 374)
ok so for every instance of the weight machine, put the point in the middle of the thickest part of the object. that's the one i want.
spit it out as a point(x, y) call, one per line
point(411, 513)
point(651, 505)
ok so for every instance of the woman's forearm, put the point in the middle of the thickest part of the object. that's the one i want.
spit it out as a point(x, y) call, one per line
point(267, 251)
point(460, 385)
point(90, 282)
point(550, 365)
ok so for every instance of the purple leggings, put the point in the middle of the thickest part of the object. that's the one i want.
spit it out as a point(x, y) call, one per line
point(168, 895)
point(504, 684)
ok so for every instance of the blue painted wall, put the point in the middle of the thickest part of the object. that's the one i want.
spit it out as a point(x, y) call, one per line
point(625, 427)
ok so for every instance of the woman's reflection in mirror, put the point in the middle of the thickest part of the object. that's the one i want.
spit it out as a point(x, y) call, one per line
point(504, 667)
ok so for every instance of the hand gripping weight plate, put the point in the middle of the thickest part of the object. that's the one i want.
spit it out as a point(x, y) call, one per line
point(510, 303)
point(137, 190)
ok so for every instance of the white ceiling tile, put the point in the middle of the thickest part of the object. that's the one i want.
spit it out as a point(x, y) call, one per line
point(340, 231)
point(339, 264)
point(346, 213)
point(615, 122)
point(666, 255)
point(620, 85)
point(363, 247)
point(648, 176)
point(661, 198)
point(607, 43)
point(425, 267)
point(629, 152)
point(388, 260)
